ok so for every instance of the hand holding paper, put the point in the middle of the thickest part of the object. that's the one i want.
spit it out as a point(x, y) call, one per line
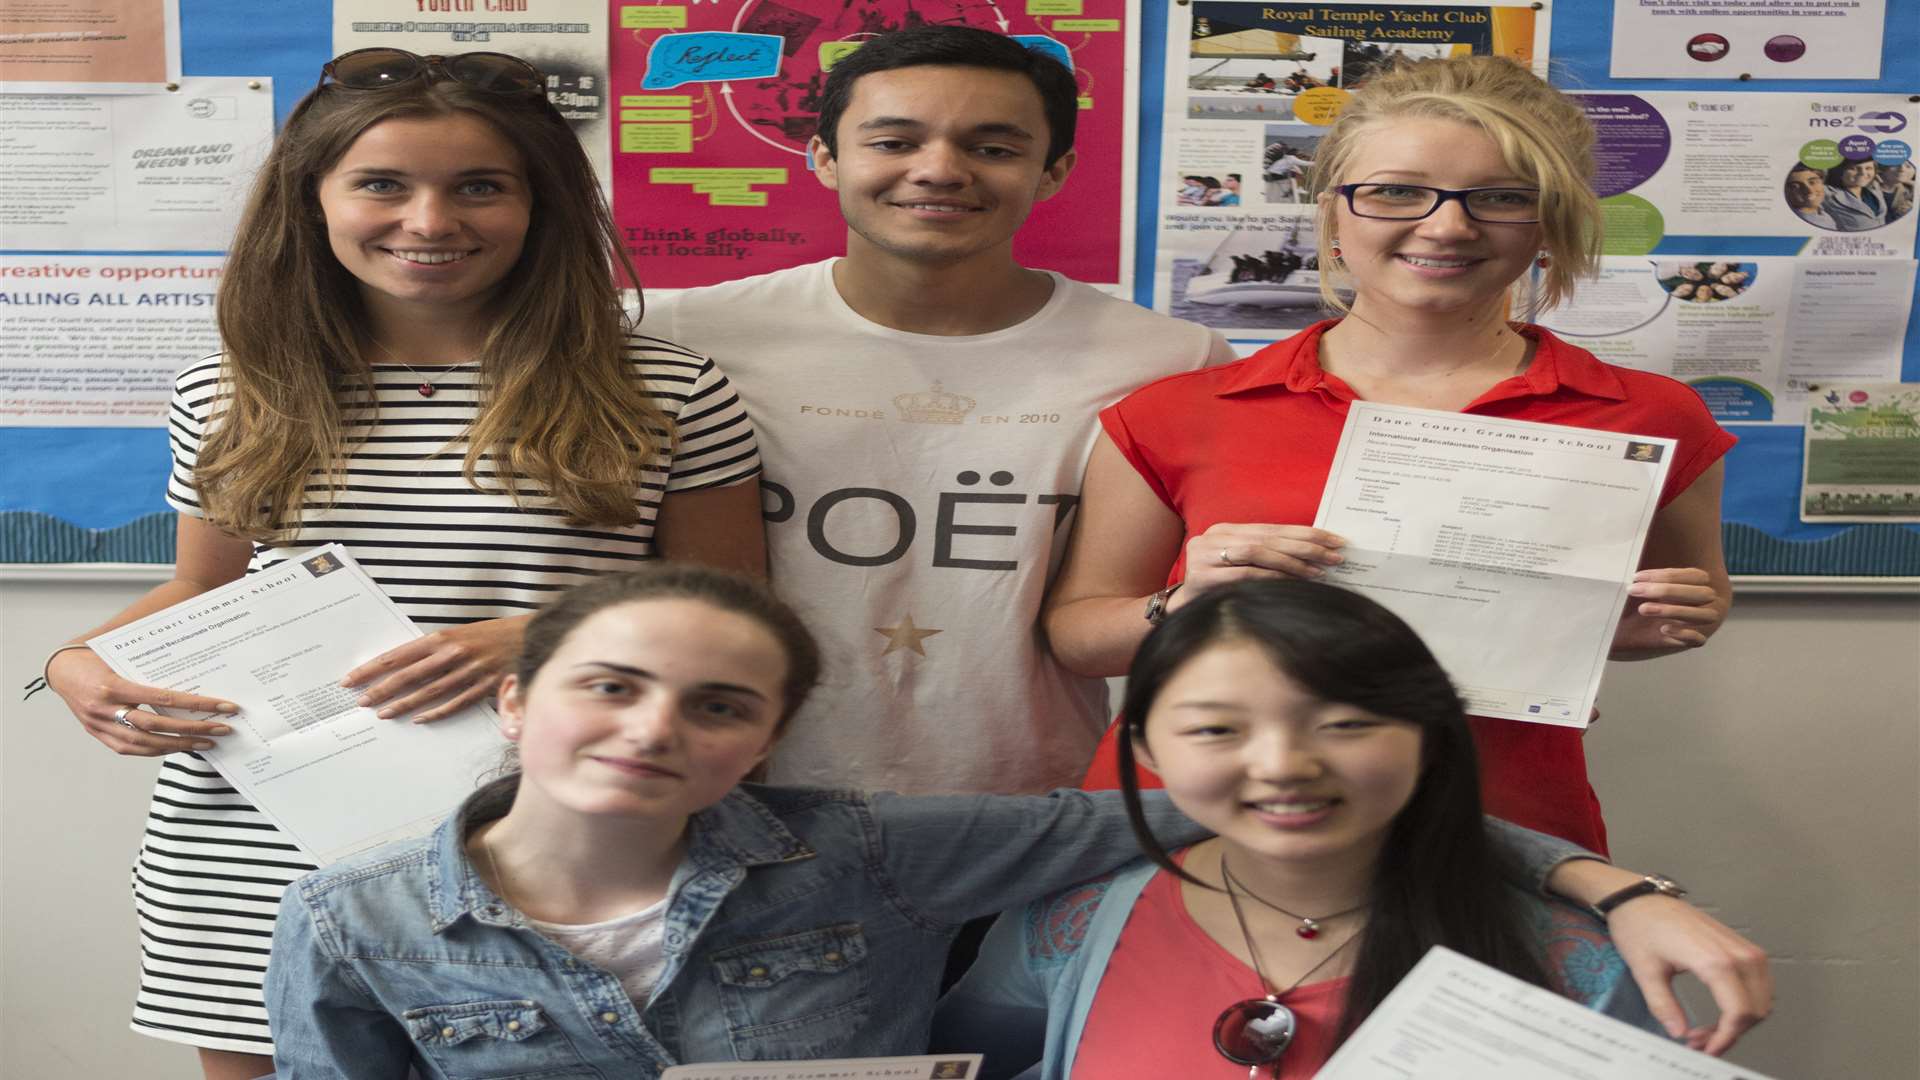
point(448, 670)
point(96, 695)
point(1510, 546)
point(1452, 1018)
point(330, 774)
point(1231, 552)
point(1668, 609)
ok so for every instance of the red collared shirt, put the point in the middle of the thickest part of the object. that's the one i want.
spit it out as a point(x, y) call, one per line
point(1253, 441)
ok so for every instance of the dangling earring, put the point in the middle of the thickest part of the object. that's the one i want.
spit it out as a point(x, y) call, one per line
point(1545, 260)
point(1333, 249)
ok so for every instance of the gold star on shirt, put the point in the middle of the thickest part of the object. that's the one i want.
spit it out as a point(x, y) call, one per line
point(904, 636)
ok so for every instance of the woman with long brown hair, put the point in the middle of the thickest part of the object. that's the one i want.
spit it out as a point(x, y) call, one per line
point(427, 361)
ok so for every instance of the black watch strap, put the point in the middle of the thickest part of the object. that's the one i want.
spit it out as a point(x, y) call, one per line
point(1646, 886)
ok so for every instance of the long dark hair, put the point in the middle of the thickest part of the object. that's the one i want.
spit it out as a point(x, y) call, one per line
point(1439, 881)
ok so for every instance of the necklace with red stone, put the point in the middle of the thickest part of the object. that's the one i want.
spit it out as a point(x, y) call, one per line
point(426, 387)
point(1309, 925)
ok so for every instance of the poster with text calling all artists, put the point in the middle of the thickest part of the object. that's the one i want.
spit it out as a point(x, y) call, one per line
point(717, 101)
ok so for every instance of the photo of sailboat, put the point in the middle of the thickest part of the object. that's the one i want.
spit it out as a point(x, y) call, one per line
point(1259, 269)
point(1256, 280)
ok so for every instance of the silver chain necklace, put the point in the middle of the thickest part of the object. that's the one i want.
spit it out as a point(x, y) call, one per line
point(1309, 927)
point(426, 387)
point(1233, 897)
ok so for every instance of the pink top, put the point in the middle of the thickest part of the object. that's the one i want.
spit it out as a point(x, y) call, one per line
point(1166, 984)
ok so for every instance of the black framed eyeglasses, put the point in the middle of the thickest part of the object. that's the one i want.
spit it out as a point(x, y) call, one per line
point(379, 68)
point(1412, 202)
point(1254, 1032)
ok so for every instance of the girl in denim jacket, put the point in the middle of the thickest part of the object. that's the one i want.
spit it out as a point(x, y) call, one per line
point(624, 903)
point(1315, 735)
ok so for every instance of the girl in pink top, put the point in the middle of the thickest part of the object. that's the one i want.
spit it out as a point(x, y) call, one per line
point(1315, 735)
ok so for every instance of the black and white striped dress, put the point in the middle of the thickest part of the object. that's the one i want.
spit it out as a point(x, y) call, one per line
point(211, 868)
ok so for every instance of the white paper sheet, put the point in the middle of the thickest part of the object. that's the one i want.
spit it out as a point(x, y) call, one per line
point(930, 1067)
point(1507, 545)
point(1453, 1018)
point(139, 172)
point(333, 776)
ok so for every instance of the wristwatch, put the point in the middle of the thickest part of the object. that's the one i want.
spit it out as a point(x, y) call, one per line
point(1652, 883)
point(1157, 603)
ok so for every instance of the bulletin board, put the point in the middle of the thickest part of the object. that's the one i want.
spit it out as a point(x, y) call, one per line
point(1761, 524)
point(93, 495)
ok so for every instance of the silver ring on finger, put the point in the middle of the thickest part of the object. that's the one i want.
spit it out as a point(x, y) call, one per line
point(1225, 559)
point(120, 717)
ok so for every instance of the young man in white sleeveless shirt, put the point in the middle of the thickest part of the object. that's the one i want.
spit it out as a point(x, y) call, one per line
point(925, 407)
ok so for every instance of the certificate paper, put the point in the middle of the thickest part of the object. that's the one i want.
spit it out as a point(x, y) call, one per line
point(1453, 1018)
point(333, 776)
point(930, 1067)
point(1507, 545)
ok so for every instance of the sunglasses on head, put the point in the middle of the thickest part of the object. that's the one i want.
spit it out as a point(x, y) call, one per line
point(378, 68)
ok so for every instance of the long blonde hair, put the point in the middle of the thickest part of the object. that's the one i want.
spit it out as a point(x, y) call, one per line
point(561, 414)
point(1543, 135)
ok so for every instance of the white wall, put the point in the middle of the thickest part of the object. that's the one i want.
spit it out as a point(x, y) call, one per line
point(1777, 773)
point(1774, 773)
point(70, 821)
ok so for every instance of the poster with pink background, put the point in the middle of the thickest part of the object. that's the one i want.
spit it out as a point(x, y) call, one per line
point(716, 101)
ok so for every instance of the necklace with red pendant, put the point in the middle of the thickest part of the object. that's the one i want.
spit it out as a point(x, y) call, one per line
point(1309, 927)
point(426, 387)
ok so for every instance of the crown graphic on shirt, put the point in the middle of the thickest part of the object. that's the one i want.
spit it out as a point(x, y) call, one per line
point(935, 406)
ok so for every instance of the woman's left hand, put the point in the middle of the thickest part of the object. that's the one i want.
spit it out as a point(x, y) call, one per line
point(435, 676)
point(1660, 937)
point(1668, 610)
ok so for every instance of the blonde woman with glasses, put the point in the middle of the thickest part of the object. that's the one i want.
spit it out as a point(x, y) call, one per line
point(425, 360)
point(1443, 186)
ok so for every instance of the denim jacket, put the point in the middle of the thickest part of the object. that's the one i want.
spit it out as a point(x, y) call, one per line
point(801, 923)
